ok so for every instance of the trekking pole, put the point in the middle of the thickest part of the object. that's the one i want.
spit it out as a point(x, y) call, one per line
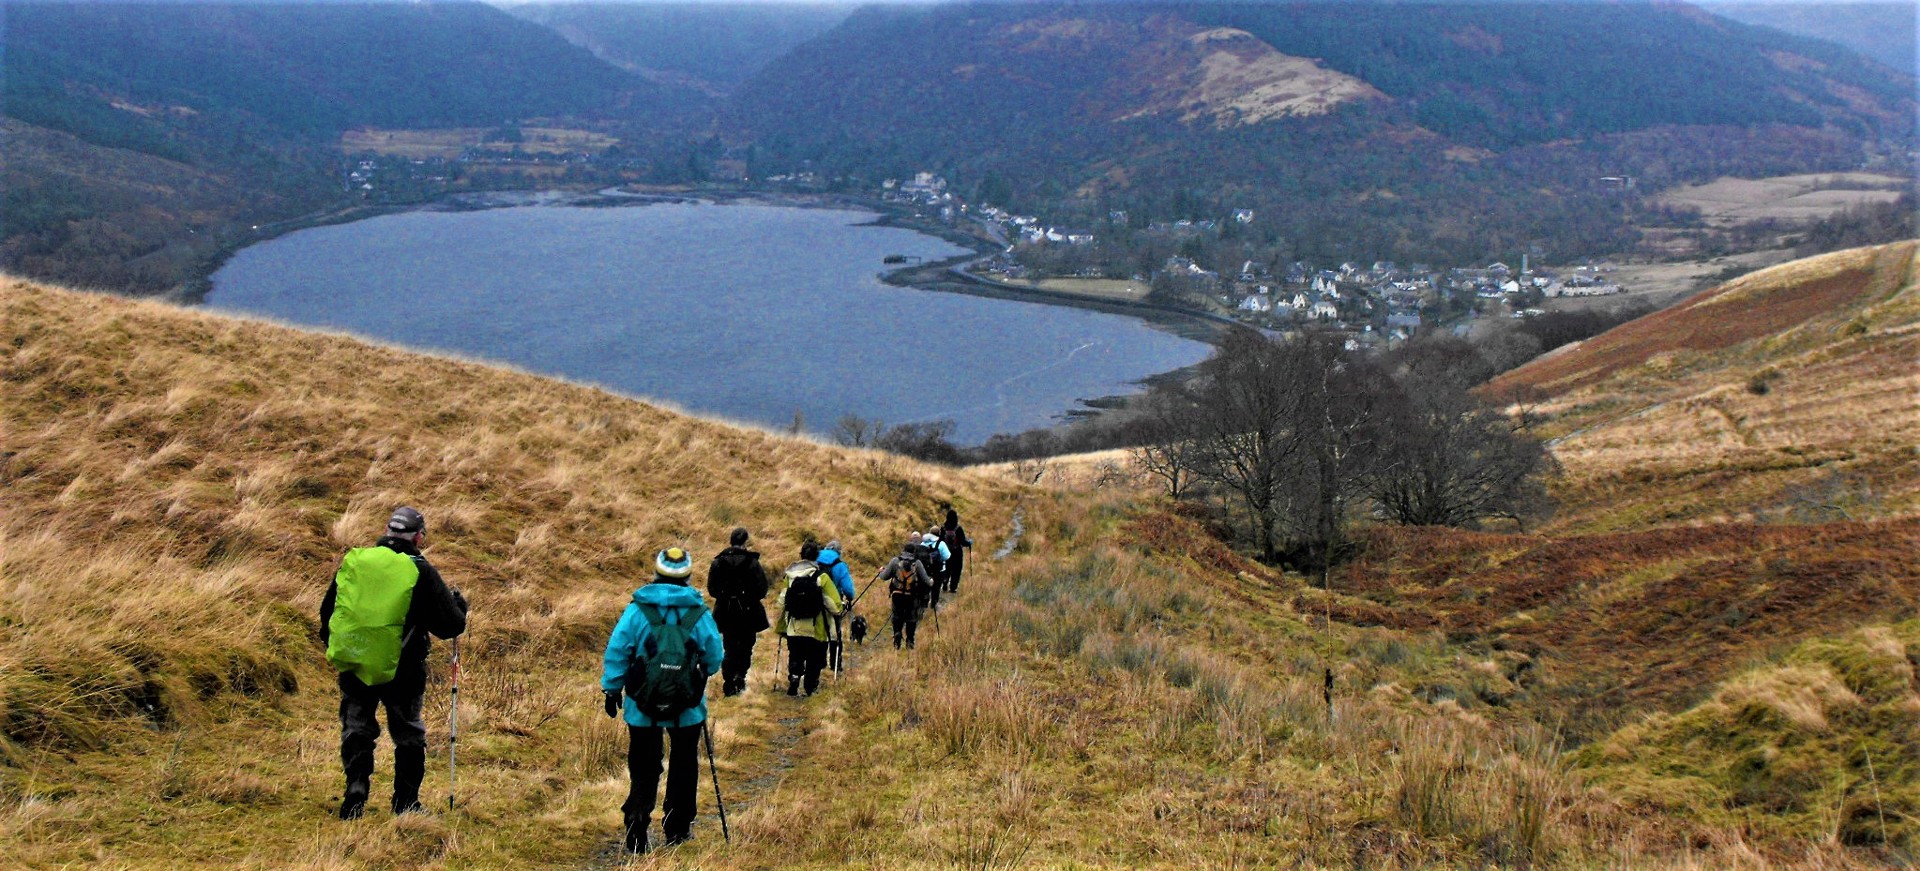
point(715, 774)
point(782, 639)
point(453, 725)
point(863, 593)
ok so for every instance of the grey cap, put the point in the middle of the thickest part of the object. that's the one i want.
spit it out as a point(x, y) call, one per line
point(406, 521)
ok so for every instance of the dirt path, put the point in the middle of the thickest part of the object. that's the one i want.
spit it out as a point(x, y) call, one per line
point(757, 739)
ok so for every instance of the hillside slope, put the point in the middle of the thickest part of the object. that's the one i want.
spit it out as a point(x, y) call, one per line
point(1352, 131)
point(254, 95)
point(1785, 394)
point(177, 490)
point(1120, 690)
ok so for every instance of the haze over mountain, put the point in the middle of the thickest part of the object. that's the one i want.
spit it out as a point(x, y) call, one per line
point(711, 47)
point(1882, 31)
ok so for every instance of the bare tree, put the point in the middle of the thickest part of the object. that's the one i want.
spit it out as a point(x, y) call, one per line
point(1169, 452)
point(1452, 459)
point(857, 432)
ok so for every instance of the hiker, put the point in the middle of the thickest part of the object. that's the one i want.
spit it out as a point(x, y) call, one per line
point(954, 536)
point(808, 604)
point(938, 559)
point(836, 568)
point(375, 620)
point(738, 586)
point(908, 586)
point(660, 655)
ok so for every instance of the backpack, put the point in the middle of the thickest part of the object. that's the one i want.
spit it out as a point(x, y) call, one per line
point(372, 591)
point(930, 555)
point(805, 601)
point(665, 677)
point(904, 586)
point(954, 540)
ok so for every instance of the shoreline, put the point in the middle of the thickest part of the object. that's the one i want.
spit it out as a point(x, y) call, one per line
point(943, 276)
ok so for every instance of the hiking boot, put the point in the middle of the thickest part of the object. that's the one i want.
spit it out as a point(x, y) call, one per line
point(354, 805)
point(412, 807)
point(793, 686)
point(678, 838)
point(634, 838)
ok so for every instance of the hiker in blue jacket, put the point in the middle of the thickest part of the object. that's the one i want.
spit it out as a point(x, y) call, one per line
point(667, 600)
point(836, 568)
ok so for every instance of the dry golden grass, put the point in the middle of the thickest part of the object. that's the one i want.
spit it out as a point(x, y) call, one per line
point(1121, 691)
point(1791, 393)
point(178, 487)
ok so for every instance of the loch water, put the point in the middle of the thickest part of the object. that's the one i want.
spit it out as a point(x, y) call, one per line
point(748, 312)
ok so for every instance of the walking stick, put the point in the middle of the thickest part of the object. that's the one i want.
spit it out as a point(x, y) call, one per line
point(715, 774)
point(453, 725)
point(776, 658)
point(835, 648)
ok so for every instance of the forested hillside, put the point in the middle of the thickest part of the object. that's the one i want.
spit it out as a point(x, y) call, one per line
point(142, 132)
point(1460, 130)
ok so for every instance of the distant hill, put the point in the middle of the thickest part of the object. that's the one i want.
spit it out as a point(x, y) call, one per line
point(712, 47)
point(253, 97)
point(1382, 125)
point(1882, 31)
point(1785, 393)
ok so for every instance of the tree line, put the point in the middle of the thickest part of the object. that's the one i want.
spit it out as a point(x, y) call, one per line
point(1291, 441)
point(1296, 439)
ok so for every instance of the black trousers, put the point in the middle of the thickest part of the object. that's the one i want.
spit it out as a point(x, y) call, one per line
point(805, 657)
point(644, 760)
point(739, 662)
point(360, 731)
point(954, 567)
point(908, 620)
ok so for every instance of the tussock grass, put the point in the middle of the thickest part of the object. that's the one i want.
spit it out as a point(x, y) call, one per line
point(178, 487)
point(1120, 691)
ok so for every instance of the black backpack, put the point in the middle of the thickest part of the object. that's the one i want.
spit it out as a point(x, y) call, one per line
point(665, 677)
point(930, 555)
point(805, 601)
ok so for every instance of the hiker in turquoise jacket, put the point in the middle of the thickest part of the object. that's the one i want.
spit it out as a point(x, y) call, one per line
point(671, 599)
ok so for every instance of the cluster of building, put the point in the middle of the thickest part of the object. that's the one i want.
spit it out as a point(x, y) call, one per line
point(1383, 295)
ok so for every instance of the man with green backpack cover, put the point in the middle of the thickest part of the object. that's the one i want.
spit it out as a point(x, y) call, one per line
point(374, 620)
point(659, 658)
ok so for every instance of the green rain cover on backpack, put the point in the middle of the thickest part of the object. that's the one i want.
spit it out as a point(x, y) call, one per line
point(372, 592)
point(665, 677)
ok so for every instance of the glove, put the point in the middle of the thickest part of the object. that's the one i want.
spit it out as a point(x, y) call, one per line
point(460, 600)
point(613, 703)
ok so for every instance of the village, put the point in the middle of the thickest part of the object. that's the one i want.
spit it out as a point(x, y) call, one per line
point(1376, 302)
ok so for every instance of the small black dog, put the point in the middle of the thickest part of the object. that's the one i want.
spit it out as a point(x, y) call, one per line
point(859, 629)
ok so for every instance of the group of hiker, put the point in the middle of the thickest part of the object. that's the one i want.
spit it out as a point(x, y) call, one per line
point(385, 600)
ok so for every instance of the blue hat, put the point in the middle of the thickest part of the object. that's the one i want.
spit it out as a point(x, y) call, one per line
point(673, 563)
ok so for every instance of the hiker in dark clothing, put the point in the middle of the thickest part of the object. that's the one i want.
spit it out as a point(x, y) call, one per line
point(738, 585)
point(670, 607)
point(933, 554)
point(381, 667)
point(909, 587)
point(808, 604)
point(954, 536)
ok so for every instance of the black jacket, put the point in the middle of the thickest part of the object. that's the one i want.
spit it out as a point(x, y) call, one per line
point(738, 586)
point(436, 609)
